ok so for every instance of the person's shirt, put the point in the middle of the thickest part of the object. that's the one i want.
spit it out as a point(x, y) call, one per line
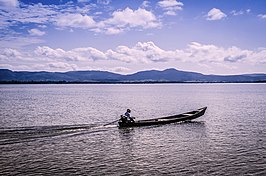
point(127, 114)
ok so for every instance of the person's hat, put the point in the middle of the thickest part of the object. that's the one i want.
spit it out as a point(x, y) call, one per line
point(128, 110)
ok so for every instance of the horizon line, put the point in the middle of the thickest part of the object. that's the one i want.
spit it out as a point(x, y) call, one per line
point(135, 72)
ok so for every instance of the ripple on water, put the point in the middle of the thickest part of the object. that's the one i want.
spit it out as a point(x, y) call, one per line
point(58, 130)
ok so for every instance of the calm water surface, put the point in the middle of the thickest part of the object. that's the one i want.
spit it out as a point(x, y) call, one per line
point(58, 130)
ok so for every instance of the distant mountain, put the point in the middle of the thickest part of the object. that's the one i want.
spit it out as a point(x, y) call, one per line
point(72, 76)
point(168, 75)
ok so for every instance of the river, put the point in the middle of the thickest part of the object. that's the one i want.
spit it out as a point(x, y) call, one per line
point(58, 129)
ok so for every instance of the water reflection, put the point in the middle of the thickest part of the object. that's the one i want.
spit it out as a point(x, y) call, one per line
point(126, 136)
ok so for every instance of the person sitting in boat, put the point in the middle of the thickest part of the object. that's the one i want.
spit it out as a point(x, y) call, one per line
point(126, 118)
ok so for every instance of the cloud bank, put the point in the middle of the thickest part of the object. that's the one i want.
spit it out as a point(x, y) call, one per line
point(144, 53)
point(69, 16)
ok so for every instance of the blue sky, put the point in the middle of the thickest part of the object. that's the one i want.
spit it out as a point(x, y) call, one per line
point(126, 36)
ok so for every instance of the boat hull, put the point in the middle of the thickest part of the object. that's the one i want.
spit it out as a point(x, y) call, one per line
point(166, 120)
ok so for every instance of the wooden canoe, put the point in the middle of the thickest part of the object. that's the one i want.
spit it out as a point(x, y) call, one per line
point(166, 120)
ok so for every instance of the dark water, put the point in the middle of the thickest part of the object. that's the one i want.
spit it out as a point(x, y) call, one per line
point(58, 130)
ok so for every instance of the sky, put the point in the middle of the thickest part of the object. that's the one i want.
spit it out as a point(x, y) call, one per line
point(126, 36)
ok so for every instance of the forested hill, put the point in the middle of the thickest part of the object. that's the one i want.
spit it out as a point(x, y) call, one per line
point(168, 75)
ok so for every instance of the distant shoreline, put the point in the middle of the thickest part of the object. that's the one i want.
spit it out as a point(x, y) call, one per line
point(170, 75)
point(125, 82)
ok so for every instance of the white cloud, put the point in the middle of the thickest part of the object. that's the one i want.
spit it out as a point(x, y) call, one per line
point(122, 58)
point(112, 30)
point(145, 52)
point(36, 32)
point(61, 66)
point(170, 13)
point(98, 13)
point(44, 15)
point(197, 52)
point(9, 53)
point(120, 69)
point(9, 3)
point(37, 13)
point(170, 3)
point(237, 13)
point(75, 21)
point(142, 52)
point(127, 19)
point(69, 16)
point(262, 16)
point(77, 54)
point(104, 2)
point(228, 60)
point(240, 12)
point(132, 18)
point(170, 6)
point(145, 4)
point(215, 14)
point(42, 26)
point(48, 52)
point(258, 56)
point(90, 53)
point(17, 67)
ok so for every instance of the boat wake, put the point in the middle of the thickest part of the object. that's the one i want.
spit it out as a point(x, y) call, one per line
point(12, 135)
